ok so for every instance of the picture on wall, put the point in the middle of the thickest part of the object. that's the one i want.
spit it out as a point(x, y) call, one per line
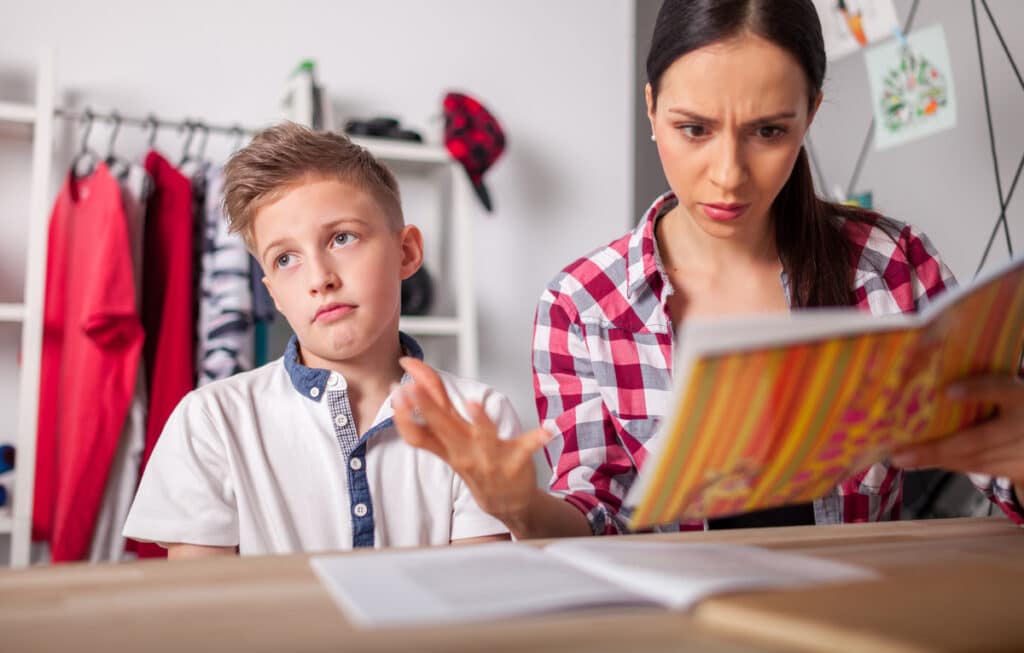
point(911, 87)
point(850, 25)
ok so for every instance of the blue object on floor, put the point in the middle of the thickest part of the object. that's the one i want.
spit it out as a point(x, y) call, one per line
point(6, 457)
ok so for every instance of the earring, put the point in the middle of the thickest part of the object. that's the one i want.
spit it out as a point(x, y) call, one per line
point(652, 136)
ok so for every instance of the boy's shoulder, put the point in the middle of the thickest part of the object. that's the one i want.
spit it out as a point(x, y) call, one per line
point(462, 389)
point(263, 383)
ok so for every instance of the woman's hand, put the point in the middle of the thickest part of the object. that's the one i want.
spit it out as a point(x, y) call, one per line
point(994, 447)
point(499, 473)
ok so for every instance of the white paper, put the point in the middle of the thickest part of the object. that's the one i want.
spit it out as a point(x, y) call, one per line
point(456, 584)
point(911, 104)
point(853, 24)
point(459, 584)
point(678, 574)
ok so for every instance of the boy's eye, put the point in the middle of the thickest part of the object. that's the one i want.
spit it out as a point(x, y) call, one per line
point(343, 238)
point(283, 261)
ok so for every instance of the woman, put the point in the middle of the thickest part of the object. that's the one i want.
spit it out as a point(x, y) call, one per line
point(733, 88)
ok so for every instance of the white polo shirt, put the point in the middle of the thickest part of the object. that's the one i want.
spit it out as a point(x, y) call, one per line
point(270, 461)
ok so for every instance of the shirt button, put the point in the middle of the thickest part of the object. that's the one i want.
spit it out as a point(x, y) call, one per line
point(333, 380)
point(341, 420)
point(314, 392)
point(356, 463)
point(359, 509)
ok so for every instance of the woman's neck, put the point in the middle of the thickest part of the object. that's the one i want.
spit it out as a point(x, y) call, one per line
point(682, 243)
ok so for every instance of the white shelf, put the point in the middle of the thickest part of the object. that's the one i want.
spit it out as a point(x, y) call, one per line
point(431, 326)
point(12, 312)
point(14, 112)
point(394, 151)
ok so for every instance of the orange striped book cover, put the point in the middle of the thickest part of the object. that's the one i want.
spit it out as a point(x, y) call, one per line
point(780, 410)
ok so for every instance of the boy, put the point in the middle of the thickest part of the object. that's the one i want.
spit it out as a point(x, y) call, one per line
point(302, 453)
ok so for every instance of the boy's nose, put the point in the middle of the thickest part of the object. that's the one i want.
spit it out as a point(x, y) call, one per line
point(324, 279)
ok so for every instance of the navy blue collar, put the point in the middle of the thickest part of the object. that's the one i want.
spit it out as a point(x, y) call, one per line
point(305, 379)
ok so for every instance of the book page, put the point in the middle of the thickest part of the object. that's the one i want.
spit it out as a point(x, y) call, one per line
point(679, 574)
point(459, 584)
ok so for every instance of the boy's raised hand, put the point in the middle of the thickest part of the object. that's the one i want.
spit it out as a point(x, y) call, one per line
point(499, 473)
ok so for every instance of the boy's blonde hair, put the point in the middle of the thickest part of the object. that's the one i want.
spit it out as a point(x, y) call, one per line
point(284, 154)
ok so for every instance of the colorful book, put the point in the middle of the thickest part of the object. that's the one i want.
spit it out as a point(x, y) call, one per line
point(781, 410)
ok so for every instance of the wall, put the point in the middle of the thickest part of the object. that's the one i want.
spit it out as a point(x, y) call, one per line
point(648, 177)
point(554, 74)
point(944, 184)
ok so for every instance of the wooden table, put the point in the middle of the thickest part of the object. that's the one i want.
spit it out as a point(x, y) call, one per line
point(947, 585)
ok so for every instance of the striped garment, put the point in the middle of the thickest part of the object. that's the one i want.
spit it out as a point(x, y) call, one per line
point(602, 353)
point(225, 325)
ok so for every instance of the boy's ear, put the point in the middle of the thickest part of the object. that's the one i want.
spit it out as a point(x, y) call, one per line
point(411, 241)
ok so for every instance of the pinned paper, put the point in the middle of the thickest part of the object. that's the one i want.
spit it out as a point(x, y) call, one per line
point(850, 25)
point(911, 87)
point(863, 200)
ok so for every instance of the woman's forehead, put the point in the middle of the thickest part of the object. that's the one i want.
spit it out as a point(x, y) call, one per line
point(746, 70)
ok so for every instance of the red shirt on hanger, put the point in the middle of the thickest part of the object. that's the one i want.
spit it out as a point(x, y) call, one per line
point(166, 303)
point(91, 349)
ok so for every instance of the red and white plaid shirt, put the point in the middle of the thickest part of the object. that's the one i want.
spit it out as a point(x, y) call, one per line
point(602, 363)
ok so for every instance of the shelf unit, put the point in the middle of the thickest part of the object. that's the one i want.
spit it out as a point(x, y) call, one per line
point(39, 116)
point(457, 230)
point(17, 113)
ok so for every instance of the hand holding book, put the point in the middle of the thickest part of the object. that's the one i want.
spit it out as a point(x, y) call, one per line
point(833, 392)
point(994, 447)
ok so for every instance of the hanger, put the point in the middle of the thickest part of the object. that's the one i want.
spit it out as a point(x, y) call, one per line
point(201, 153)
point(153, 124)
point(191, 129)
point(115, 119)
point(84, 153)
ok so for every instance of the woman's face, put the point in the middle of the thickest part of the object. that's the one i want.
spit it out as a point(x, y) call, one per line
point(729, 122)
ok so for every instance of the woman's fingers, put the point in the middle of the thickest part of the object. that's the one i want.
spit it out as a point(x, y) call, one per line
point(993, 447)
point(1003, 390)
point(954, 450)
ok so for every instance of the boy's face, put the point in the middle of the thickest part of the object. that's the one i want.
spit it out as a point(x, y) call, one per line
point(334, 267)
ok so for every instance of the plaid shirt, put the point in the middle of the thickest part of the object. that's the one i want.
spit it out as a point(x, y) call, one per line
point(602, 360)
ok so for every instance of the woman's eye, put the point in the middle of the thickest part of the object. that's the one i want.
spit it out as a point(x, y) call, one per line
point(283, 261)
point(694, 131)
point(770, 132)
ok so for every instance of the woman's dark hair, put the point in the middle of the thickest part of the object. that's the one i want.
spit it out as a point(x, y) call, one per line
point(808, 230)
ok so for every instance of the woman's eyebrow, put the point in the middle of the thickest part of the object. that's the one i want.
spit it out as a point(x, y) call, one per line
point(692, 115)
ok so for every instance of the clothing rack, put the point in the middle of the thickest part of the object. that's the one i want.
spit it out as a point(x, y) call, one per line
point(151, 121)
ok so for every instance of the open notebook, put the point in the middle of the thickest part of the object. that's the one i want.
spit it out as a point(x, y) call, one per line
point(779, 410)
point(430, 587)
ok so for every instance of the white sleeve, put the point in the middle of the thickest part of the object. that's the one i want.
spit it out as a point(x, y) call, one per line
point(468, 519)
point(185, 496)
